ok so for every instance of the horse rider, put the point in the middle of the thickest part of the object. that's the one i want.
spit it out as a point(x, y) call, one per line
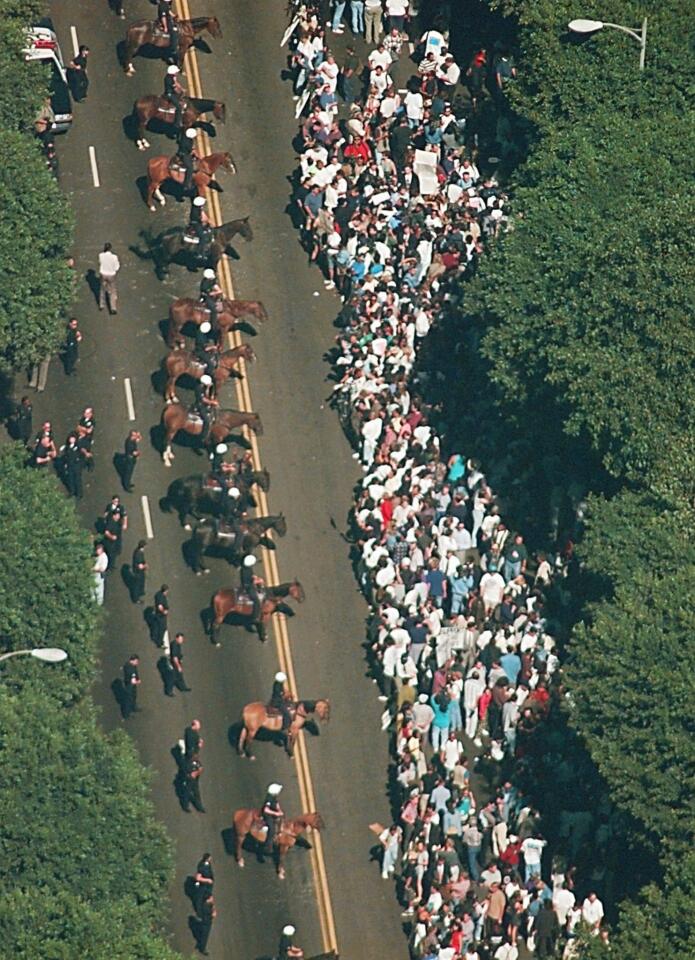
point(280, 698)
point(206, 348)
point(199, 225)
point(205, 402)
point(252, 585)
point(211, 296)
point(173, 91)
point(286, 947)
point(272, 815)
point(217, 463)
point(187, 155)
point(169, 23)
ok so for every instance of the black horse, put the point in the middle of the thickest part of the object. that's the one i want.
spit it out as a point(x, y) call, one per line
point(194, 497)
point(234, 540)
point(177, 243)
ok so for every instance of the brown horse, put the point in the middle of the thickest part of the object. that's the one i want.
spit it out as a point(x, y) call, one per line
point(159, 169)
point(229, 313)
point(151, 107)
point(248, 822)
point(180, 362)
point(227, 602)
point(144, 33)
point(255, 717)
point(176, 417)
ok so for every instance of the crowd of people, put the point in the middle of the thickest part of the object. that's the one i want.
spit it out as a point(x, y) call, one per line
point(397, 212)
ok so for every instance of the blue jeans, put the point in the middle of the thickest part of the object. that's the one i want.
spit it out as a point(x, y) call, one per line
point(532, 870)
point(439, 737)
point(473, 865)
point(357, 14)
point(511, 570)
point(338, 13)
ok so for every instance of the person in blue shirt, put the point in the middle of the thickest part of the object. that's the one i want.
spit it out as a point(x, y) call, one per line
point(433, 132)
point(441, 723)
point(437, 583)
point(460, 585)
point(457, 469)
point(511, 664)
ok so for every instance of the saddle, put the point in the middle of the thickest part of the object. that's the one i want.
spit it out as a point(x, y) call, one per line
point(189, 237)
point(226, 531)
point(194, 418)
point(211, 483)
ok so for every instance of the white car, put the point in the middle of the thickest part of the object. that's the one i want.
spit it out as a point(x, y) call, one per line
point(43, 46)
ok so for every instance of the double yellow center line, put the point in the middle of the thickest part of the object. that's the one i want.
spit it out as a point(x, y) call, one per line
point(282, 640)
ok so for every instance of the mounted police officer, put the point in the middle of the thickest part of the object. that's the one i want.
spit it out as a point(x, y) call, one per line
point(206, 349)
point(280, 699)
point(217, 463)
point(187, 155)
point(286, 947)
point(169, 23)
point(211, 296)
point(173, 91)
point(199, 226)
point(205, 401)
point(252, 585)
point(272, 815)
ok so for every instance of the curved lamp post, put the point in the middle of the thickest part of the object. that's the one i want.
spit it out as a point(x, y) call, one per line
point(593, 26)
point(47, 654)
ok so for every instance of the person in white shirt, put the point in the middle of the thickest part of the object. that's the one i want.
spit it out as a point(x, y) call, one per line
point(99, 568)
point(532, 850)
point(592, 912)
point(109, 265)
point(448, 74)
point(472, 691)
point(371, 431)
point(563, 901)
point(379, 58)
point(414, 106)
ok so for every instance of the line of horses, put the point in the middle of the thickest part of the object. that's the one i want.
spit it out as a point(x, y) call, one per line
point(222, 526)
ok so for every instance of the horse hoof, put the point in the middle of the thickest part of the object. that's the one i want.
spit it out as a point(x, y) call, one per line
point(281, 874)
point(163, 201)
point(242, 863)
point(154, 210)
point(187, 526)
point(251, 757)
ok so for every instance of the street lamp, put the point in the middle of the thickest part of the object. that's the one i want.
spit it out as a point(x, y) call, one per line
point(47, 654)
point(593, 26)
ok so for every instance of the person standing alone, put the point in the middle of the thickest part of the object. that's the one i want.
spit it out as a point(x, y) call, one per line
point(131, 682)
point(109, 265)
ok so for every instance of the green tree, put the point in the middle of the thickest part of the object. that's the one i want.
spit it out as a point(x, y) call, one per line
point(23, 86)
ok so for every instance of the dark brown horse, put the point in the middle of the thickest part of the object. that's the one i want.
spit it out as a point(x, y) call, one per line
point(180, 362)
point(173, 242)
point(234, 539)
point(229, 313)
point(255, 717)
point(152, 107)
point(227, 602)
point(194, 496)
point(176, 417)
point(159, 169)
point(144, 33)
point(248, 822)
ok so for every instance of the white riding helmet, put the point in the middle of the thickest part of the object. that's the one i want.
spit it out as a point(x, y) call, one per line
point(206, 379)
point(281, 677)
point(221, 447)
point(289, 930)
point(199, 202)
point(234, 492)
point(173, 70)
point(209, 274)
point(191, 133)
point(273, 790)
point(205, 327)
point(250, 560)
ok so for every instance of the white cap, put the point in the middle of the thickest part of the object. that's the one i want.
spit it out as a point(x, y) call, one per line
point(209, 274)
point(423, 698)
point(221, 448)
point(250, 560)
point(205, 327)
point(205, 379)
point(274, 789)
point(173, 70)
point(199, 202)
point(234, 492)
point(289, 930)
point(191, 133)
point(281, 677)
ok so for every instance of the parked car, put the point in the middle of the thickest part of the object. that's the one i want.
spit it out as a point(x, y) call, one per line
point(43, 47)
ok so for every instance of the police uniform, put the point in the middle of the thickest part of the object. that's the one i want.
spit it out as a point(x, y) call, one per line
point(190, 784)
point(23, 419)
point(272, 817)
point(171, 92)
point(200, 229)
point(130, 460)
point(203, 889)
point(159, 622)
point(249, 587)
point(279, 700)
point(113, 532)
point(130, 688)
point(186, 155)
point(168, 20)
point(72, 466)
point(207, 915)
point(137, 573)
point(203, 392)
point(174, 675)
point(206, 350)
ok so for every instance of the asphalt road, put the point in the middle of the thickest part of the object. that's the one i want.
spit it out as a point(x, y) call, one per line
point(312, 475)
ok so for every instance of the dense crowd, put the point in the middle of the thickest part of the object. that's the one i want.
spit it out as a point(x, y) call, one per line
point(397, 214)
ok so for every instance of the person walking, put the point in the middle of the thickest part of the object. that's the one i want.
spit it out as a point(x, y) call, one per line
point(24, 420)
point(372, 20)
point(131, 682)
point(77, 75)
point(99, 568)
point(357, 17)
point(191, 770)
point(204, 880)
point(130, 459)
point(72, 464)
point(71, 348)
point(161, 615)
point(113, 537)
point(138, 572)
point(39, 375)
point(109, 265)
point(207, 915)
point(174, 675)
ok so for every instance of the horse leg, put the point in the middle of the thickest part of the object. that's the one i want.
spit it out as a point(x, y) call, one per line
point(262, 632)
point(267, 543)
point(168, 454)
point(161, 199)
point(170, 391)
point(289, 743)
point(280, 851)
point(198, 553)
point(239, 838)
point(141, 140)
point(128, 55)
